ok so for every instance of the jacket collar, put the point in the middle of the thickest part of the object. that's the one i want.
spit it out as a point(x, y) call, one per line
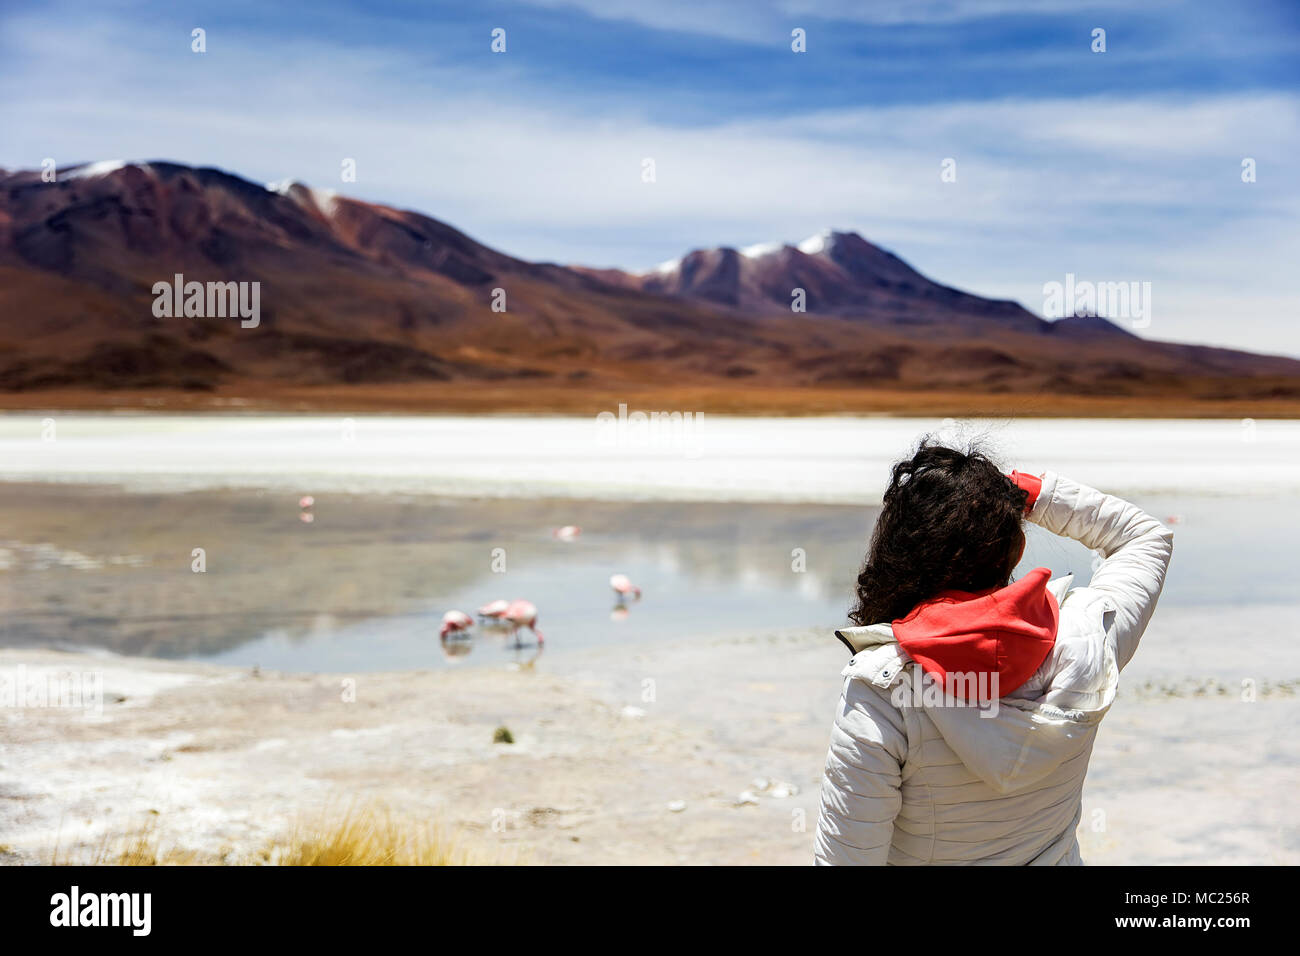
point(858, 639)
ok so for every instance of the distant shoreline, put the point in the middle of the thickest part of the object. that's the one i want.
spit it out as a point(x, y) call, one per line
point(824, 460)
point(591, 399)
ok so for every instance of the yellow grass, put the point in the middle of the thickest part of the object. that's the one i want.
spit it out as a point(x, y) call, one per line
point(365, 836)
point(372, 837)
point(141, 847)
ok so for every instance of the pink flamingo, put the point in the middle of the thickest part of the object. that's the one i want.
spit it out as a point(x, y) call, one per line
point(522, 613)
point(568, 534)
point(624, 588)
point(306, 501)
point(455, 622)
point(494, 610)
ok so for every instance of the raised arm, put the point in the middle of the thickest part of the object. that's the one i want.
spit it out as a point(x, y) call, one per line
point(1135, 548)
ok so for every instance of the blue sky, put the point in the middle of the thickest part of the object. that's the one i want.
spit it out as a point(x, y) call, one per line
point(1115, 166)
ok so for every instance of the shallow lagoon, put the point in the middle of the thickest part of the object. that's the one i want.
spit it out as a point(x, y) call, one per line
point(762, 531)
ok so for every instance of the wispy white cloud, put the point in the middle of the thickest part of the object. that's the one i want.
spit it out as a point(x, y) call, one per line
point(770, 21)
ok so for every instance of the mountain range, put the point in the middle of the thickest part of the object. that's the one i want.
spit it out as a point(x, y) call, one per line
point(360, 295)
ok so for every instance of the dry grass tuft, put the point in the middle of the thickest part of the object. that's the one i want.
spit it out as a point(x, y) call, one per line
point(141, 847)
point(359, 836)
point(370, 836)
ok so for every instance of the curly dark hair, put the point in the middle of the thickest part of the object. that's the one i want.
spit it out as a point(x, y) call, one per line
point(951, 521)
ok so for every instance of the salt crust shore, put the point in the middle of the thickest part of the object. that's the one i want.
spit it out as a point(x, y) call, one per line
point(827, 460)
point(229, 758)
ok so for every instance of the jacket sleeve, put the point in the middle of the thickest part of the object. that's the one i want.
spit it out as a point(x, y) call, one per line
point(860, 788)
point(1135, 548)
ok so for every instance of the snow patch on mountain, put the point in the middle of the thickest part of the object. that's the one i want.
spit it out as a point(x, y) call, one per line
point(817, 244)
point(323, 200)
point(761, 249)
point(102, 168)
point(664, 268)
point(813, 245)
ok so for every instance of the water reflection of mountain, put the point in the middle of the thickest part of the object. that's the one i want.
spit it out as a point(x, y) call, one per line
point(93, 567)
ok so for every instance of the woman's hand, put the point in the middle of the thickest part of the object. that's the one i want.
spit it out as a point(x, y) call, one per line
point(1030, 483)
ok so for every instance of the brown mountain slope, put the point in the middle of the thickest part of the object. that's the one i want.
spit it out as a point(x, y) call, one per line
point(357, 294)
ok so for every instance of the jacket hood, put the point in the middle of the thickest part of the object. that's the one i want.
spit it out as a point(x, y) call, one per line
point(1003, 632)
point(1020, 741)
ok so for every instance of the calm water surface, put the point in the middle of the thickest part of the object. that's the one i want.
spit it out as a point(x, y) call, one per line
point(363, 586)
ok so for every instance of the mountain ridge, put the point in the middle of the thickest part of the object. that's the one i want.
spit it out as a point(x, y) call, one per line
point(358, 293)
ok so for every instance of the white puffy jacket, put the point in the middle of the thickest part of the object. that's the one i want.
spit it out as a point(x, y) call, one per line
point(910, 782)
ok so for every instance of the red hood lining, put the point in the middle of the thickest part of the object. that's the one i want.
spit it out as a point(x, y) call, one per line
point(1004, 631)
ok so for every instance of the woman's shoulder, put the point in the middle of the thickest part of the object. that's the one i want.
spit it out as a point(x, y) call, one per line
point(1080, 671)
